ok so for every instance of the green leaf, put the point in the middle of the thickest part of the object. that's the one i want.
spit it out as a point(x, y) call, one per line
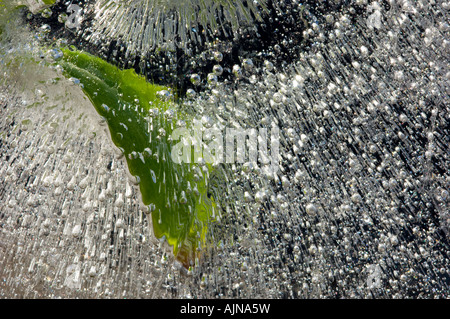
point(176, 193)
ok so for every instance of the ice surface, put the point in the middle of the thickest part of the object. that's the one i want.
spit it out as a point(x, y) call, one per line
point(358, 209)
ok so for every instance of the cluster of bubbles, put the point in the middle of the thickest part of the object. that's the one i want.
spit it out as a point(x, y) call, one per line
point(359, 207)
point(126, 30)
point(144, 25)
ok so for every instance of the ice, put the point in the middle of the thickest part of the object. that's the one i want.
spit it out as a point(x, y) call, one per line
point(144, 25)
point(358, 208)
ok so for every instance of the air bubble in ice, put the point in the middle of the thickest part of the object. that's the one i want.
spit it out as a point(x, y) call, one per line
point(311, 209)
point(217, 70)
point(46, 13)
point(237, 71)
point(218, 56)
point(195, 79)
point(76, 231)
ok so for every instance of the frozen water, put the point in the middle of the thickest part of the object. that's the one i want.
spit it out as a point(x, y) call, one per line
point(144, 25)
point(359, 207)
